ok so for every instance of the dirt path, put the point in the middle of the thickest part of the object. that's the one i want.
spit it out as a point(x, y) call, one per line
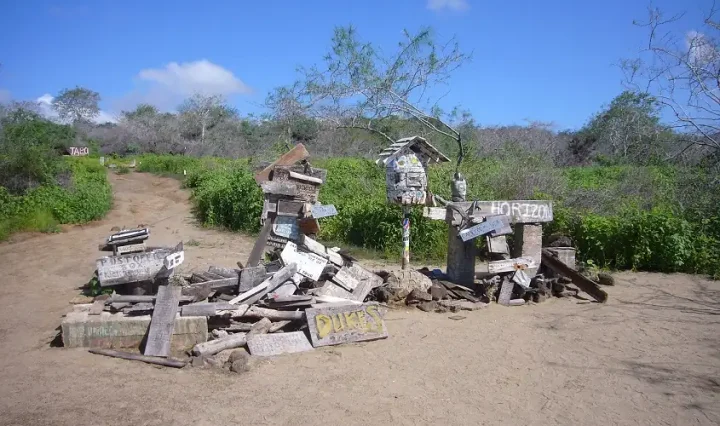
point(651, 356)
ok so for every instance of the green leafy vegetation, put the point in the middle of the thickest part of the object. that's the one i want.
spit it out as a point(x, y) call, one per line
point(620, 217)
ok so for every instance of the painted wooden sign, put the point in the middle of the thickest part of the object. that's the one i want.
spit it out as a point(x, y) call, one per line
point(115, 270)
point(79, 151)
point(320, 210)
point(308, 264)
point(174, 259)
point(495, 223)
point(162, 322)
point(278, 344)
point(348, 323)
point(510, 265)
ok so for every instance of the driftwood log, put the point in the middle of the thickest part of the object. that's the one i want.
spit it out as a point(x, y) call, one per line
point(168, 362)
point(583, 283)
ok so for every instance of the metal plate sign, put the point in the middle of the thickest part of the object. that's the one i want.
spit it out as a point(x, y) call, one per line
point(349, 323)
point(286, 226)
point(309, 264)
point(320, 210)
point(174, 259)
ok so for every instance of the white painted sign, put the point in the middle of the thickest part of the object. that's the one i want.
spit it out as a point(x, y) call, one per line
point(77, 151)
point(309, 264)
point(174, 259)
point(523, 211)
point(114, 270)
point(131, 248)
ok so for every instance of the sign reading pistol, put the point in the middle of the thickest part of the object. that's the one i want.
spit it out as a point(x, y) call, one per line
point(342, 324)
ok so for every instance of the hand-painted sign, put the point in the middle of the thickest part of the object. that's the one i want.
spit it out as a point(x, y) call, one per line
point(174, 259)
point(114, 270)
point(286, 226)
point(308, 264)
point(78, 151)
point(319, 210)
point(349, 323)
point(491, 224)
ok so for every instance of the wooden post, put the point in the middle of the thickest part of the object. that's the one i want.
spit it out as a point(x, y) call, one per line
point(527, 243)
point(406, 237)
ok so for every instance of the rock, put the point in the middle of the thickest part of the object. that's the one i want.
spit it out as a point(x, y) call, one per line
point(383, 294)
point(438, 292)
point(428, 306)
point(560, 241)
point(198, 361)
point(409, 280)
point(462, 305)
point(240, 361)
point(605, 279)
point(115, 229)
point(418, 296)
point(564, 280)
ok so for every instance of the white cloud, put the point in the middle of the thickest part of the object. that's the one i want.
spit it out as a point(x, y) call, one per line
point(45, 107)
point(166, 87)
point(5, 96)
point(195, 77)
point(456, 5)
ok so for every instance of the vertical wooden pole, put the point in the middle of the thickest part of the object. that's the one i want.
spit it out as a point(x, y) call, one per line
point(527, 242)
point(406, 237)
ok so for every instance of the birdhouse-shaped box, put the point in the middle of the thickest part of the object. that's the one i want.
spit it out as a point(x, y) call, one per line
point(406, 163)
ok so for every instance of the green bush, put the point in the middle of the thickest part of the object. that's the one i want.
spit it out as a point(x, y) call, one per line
point(87, 197)
point(619, 217)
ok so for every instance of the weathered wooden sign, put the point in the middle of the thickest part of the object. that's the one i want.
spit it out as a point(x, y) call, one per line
point(162, 322)
point(174, 259)
point(130, 248)
point(349, 323)
point(320, 210)
point(278, 344)
point(510, 265)
point(79, 151)
point(495, 223)
point(308, 264)
point(115, 270)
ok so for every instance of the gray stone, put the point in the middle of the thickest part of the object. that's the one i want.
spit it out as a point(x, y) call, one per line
point(409, 280)
point(110, 331)
point(239, 361)
point(605, 279)
point(428, 306)
point(418, 296)
point(438, 292)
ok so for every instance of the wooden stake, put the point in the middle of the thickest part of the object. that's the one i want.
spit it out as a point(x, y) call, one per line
point(169, 362)
point(406, 237)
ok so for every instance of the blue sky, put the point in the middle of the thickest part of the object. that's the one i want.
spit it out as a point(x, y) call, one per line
point(548, 60)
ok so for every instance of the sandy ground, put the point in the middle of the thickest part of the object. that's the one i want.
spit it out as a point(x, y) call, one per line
point(650, 356)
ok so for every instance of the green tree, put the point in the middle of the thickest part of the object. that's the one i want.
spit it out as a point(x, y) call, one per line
point(78, 104)
point(360, 87)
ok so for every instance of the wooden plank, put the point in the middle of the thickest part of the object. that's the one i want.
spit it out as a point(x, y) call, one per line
point(287, 289)
point(223, 272)
point(366, 281)
point(279, 344)
point(332, 289)
point(305, 178)
point(298, 153)
point(506, 292)
point(251, 277)
point(346, 279)
point(494, 223)
point(435, 213)
point(279, 188)
point(291, 208)
point(259, 247)
point(120, 298)
point(321, 250)
point(460, 258)
point(128, 268)
point(256, 293)
point(308, 264)
point(510, 265)
point(218, 345)
point(162, 322)
point(139, 309)
point(528, 244)
point(343, 324)
point(519, 211)
point(130, 248)
point(167, 362)
point(245, 311)
point(198, 310)
point(498, 245)
point(583, 283)
point(326, 210)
